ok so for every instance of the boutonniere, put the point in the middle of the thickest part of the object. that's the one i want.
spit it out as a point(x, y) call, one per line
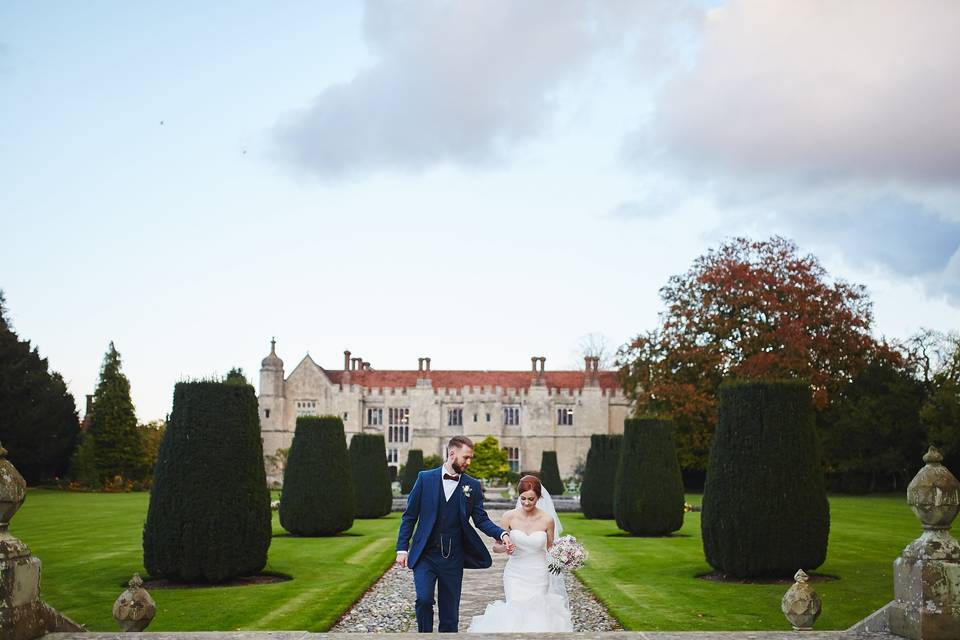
point(466, 490)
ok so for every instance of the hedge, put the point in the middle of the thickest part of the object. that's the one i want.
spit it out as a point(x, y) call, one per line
point(209, 516)
point(765, 510)
point(599, 476)
point(550, 473)
point(372, 494)
point(411, 469)
point(317, 496)
point(648, 490)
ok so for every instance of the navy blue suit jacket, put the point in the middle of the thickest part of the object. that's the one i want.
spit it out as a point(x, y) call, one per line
point(422, 507)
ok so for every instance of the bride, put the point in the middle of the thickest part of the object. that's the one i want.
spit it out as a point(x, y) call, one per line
point(536, 600)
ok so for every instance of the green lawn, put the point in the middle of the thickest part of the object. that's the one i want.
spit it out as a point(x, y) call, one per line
point(90, 545)
point(649, 583)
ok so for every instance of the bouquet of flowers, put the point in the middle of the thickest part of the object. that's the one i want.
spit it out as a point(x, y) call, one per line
point(566, 554)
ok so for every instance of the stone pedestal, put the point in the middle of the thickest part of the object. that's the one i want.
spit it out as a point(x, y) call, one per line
point(927, 574)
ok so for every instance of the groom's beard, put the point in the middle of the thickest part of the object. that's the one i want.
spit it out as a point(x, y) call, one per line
point(456, 467)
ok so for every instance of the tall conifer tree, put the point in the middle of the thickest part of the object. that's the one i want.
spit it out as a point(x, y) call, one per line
point(39, 426)
point(113, 422)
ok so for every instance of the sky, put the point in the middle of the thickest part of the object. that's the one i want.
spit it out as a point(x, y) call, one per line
point(474, 182)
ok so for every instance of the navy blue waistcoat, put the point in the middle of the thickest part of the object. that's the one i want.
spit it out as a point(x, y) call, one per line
point(448, 521)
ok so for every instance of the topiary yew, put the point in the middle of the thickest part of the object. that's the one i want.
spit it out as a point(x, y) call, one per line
point(599, 476)
point(765, 509)
point(372, 494)
point(317, 496)
point(550, 473)
point(209, 514)
point(648, 490)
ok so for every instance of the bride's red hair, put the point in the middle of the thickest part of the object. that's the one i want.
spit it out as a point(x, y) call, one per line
point(529, 483)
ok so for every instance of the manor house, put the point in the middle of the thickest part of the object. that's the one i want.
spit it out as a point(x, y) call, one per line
point(527, 411)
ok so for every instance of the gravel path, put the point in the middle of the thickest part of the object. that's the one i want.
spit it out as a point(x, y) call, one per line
point(387, 607)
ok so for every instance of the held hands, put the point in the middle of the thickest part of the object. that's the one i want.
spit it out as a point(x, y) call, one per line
point(508, 545)
point(402, 559)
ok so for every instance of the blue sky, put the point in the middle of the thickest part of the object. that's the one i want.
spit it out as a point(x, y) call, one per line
point(474, 182)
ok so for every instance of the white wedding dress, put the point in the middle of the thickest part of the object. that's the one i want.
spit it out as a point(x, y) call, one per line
point(531, 604)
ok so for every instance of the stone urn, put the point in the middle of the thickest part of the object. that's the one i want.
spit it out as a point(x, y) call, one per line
point(801, 604)
point(134, 609)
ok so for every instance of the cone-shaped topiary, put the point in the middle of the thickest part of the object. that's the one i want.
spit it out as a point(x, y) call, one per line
point(550, 473)
point(209, 514)
point(648, 489)
point(317, 496)
point(372, 494)
point(599, 476)
point(413, 467)
point(765, 509)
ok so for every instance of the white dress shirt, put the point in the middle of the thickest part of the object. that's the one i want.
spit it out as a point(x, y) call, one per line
point(449, 486)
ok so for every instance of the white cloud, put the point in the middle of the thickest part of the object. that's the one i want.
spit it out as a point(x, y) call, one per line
point(461, 82)
point(820, 90)
point(831, 122)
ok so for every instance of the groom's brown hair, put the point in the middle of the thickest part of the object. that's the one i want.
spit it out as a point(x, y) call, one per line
point(457, 442)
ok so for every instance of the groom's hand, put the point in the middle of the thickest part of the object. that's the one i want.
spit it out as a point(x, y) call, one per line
point(509, 544)
point(402, 559)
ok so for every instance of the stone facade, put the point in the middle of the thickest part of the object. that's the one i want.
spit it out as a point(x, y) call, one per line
point(527, 411)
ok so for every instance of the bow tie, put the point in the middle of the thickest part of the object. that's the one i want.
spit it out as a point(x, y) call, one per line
point(447, 476)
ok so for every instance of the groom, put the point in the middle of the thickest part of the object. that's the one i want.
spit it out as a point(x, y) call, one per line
point(440, 504)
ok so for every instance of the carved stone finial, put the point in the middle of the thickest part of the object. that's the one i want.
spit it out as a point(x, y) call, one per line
point(933, 456)
point(13, 489)
point(934, 493)
point(134, 609)
point(801, 605)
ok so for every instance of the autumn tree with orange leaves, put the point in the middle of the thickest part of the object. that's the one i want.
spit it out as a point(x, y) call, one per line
point(745, 310)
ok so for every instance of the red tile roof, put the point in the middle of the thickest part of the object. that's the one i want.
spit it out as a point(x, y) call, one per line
point(459, 379)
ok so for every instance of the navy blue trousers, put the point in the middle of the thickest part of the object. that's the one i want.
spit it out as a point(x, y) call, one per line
point(434, 573)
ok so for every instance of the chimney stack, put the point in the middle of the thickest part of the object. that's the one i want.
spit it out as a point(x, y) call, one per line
point(591, 375)
point(423, 367)
point(346, 360)
point(538, 372)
